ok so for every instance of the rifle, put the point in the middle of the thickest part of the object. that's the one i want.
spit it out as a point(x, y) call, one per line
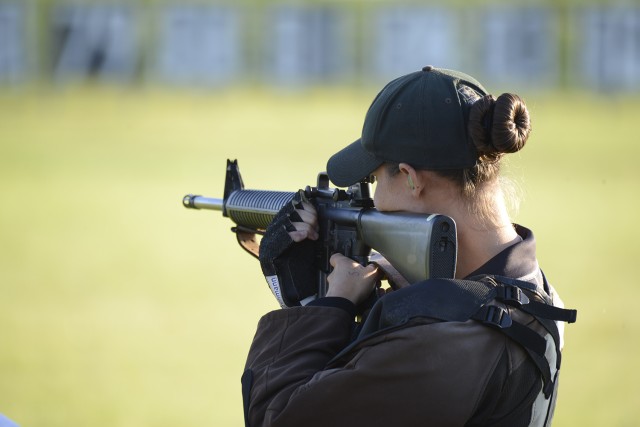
point(419, 246)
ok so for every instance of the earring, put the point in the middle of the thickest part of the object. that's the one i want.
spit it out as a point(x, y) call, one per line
point(411, 186)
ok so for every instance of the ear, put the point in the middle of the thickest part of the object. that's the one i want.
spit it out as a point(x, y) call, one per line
point(414, 179)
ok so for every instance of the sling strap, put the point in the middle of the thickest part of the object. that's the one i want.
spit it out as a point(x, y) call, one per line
point(462, 300)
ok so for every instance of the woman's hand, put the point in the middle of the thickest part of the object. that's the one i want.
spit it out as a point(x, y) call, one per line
point(308, 227)
point(351, 280)
point(348, 279)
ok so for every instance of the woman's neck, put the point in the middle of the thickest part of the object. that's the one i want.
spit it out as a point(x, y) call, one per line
point(483, 231)
point(480, 237)
point(476, 247)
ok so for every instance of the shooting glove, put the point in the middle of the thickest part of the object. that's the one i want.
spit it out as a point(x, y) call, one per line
point(289, 267)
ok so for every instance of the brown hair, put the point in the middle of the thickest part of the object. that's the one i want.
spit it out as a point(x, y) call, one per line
point(496, 127)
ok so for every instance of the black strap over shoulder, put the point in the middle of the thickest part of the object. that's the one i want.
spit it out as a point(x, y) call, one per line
point(442, 299)
point(510, 292)
point(461, 300)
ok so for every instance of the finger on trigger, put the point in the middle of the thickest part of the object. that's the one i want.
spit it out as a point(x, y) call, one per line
point(335, 258)
point(372, 270)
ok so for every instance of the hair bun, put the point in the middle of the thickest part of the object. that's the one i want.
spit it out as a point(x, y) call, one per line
point(511, 123)
point(480, 118)
point(499, 126)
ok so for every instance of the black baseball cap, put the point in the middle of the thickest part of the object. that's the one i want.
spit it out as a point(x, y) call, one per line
point(420, 119)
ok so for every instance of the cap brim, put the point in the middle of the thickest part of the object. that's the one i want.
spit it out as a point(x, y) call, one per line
point(351, 164)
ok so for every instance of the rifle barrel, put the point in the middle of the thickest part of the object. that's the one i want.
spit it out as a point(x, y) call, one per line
point(199, 202)
point(249, 208)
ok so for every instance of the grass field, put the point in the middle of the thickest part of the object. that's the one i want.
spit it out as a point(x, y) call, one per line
point(120, 308)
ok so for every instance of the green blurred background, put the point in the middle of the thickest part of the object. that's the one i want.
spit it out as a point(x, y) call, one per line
point(118, 307)
point(121, 308)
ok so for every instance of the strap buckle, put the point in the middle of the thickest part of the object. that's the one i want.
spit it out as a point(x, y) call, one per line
point(497, 316)
point(511, 295)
